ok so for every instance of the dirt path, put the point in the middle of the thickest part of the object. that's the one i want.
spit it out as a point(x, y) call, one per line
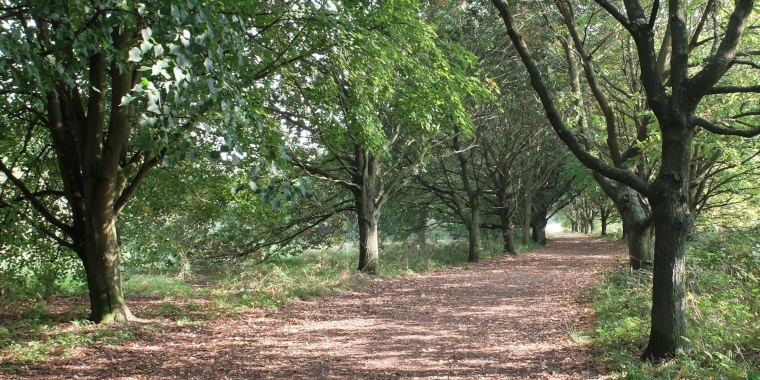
point(507, 318)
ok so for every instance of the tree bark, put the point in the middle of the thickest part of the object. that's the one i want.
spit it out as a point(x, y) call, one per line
point(507, 235)
point(102, 259)
point(473, 251)
point(638, 227)
point(89, 163)
point(640, 246)
point(603, 217)
point(369, 257)
point(539, 231)
point(526, 215)
point(672, 224)
point(367, 211)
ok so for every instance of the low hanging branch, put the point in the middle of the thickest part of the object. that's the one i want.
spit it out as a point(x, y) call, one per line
point(306, 223)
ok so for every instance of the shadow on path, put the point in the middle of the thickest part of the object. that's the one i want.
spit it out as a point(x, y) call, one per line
point(509, 317)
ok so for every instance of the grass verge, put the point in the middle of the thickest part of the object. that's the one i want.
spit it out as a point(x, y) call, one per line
point(723, 293)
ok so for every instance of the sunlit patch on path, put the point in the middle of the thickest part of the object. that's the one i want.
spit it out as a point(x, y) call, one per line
point(511, 317)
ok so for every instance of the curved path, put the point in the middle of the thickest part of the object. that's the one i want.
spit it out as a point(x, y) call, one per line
point(506, 318)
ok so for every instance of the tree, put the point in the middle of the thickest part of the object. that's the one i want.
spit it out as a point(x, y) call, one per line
point(366, 109)
point(453, 178)
point(679, 98)
point(589, 205)
point(551, 194)
point(106, 93)
point(507, 141)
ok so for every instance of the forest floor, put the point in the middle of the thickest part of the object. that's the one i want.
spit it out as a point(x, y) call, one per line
point(521, 317)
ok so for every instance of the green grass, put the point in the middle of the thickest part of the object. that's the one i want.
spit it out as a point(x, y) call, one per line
point(157, 285)
point(723, 315)
point(35, 330)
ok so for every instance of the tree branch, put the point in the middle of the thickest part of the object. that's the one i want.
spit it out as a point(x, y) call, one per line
point(727, 131)
point(29, 195)
point(733, 90)
point(553, 115)
point(719, 63)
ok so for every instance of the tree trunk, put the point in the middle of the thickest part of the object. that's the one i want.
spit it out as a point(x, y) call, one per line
point(527, 210)
point(368, 244)
point(624, 233)
point(473, 252)
point(539, 232)
point(603, 221)
point(368, 217)
point(668, 289)
point(102, 255)
point(507, 236)
point(672, 224)
point(422, 229)
point(367, 212)
point(101, 248)
point(640, 245)
point(526, 227)
point(638, 228)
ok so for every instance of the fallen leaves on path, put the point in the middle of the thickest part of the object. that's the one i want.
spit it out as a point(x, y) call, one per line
point(505, 318)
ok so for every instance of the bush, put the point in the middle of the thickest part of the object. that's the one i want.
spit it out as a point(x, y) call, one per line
point(39, 270)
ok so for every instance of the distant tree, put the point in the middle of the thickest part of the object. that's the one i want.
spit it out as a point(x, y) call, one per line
point(366, 110)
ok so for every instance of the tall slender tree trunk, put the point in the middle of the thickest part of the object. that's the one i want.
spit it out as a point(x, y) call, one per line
point(507, 234)
point(367, 216)
point(526, 226)
point(527, 210)
point(473, 252)
point(624, 232)
point(672, 223)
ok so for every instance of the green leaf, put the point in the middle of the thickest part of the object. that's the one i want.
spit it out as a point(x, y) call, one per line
point(209, 65)
point(301, 184)
point(135, 55)
point(147, 144)
point(275, 202)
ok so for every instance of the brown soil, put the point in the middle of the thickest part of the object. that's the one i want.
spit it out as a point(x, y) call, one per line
point(506, 318)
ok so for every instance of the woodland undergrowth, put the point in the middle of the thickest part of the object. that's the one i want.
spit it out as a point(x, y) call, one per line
point(723, 306)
